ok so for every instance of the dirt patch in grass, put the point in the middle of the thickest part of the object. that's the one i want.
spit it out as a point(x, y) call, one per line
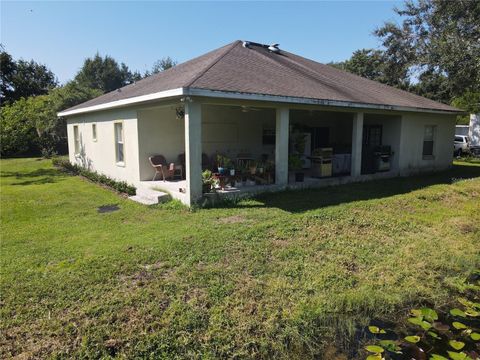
point(235, 219)
point(467, 228)
point(148, 273)
point(280, 242)
point(155, 266)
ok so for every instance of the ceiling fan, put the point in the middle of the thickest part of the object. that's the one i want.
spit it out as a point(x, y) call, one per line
point(246, 109)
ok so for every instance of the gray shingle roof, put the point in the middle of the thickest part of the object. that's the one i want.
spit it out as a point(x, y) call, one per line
point(256, 70)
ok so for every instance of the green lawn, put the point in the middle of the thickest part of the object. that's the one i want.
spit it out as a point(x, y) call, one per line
point(281, 276)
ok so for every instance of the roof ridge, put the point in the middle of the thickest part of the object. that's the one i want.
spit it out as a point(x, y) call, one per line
point(220, 57)
point(305, 72)
point(348, 73)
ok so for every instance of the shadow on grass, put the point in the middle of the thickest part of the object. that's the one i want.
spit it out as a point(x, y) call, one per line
point(297, 201)
point(36, 177)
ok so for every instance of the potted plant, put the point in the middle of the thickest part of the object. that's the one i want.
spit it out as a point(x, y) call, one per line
point(221, 160)
point(295, 164)
point(207, 181)
point(298, 140)
point(228, 166)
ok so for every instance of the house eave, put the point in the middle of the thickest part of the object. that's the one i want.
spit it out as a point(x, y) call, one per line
point(248, 96)
point(125, 102)
point(310, 101)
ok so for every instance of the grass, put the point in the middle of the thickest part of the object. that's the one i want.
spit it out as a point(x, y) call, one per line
point(289, 275)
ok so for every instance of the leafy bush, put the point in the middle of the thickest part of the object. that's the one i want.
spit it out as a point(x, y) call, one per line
point(443, 334)
point(294, 163)
point(120, 186)
point(18, 135)
point(30, 126)
point(208, 181)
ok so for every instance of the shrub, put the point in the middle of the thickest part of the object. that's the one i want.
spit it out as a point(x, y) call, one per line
point(65, 165)
point(120, 186)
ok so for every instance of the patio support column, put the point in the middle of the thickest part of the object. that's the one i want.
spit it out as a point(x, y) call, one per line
point(281, 146)
point(193, 151)
point(357, 136)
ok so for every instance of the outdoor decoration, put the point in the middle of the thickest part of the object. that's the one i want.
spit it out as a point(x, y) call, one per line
point(180, 112)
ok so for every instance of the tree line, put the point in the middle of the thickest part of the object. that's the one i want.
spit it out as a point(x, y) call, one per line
point(31, 97)
point(433, 52)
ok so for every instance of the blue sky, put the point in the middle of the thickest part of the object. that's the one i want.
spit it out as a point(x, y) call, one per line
point(62, 34)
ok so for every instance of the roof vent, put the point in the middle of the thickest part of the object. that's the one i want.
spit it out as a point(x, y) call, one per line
point(246, 44)
point(274, 48)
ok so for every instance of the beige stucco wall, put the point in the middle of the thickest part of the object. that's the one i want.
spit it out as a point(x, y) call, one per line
point(226, 130)
point(339, 124)
point(159, 133)
point(100, 155)
point(391, 133)
point(230, 131)
point(412, 131)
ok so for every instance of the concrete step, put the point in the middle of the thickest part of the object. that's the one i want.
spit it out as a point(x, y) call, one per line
point(149, 197)
point(144, 200)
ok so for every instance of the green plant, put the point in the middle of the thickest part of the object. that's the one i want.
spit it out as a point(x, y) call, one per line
point(120, 186)
point(228, 163)
point(298, 140)
point(221, 160)
point(208, 181)
point(442, 334)
point(294, 162)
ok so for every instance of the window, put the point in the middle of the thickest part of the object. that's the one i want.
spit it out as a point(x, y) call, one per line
point(268, 137)
point(428, 141)
point(76, 140)
point(94, 132)
point(119, 145)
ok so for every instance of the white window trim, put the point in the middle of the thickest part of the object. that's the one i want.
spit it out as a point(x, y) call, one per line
point(94, 133)
point(434, 140)
point(119, 163)
point(76, 139)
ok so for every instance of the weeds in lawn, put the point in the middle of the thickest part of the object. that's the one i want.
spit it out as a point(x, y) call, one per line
point(285, 276)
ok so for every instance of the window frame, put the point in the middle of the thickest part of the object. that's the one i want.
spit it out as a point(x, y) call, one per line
point(94, 132)
point(76, 140)
point(116, 143)
point(433, 141)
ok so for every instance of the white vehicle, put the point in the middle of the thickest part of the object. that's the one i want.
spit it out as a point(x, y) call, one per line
point(460, 145)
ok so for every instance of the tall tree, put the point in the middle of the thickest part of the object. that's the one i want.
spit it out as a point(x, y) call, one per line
point(160, 65)
point(440, 39)
point(71, 94)
point(23, 79)
point(376, 65)
point(104, 73)
point(433, 85)
point(163, 64)
point(367, 63)
point(7, 70)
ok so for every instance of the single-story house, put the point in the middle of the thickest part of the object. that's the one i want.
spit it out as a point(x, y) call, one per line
point(257, 108)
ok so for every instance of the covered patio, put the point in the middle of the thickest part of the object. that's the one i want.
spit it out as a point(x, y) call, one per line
point(243, 148)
